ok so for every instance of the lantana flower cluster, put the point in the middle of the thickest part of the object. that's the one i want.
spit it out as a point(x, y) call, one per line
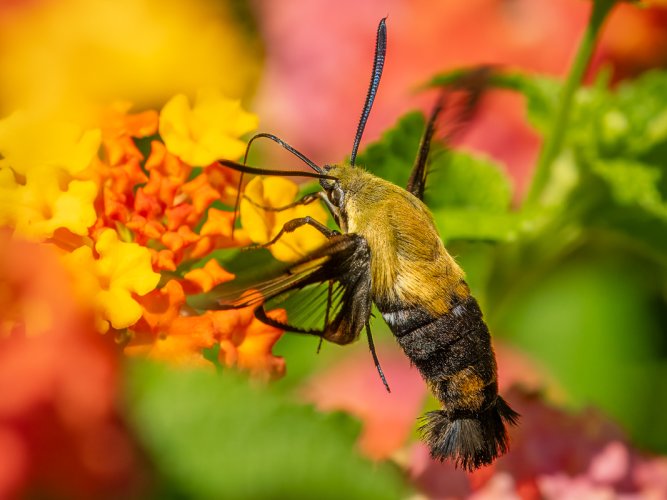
point(135, 203)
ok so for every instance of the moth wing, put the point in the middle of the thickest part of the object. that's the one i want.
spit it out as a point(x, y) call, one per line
point(327, 292)
point(459, 101)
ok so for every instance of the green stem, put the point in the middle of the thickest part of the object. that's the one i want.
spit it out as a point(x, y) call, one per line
point(554, 140)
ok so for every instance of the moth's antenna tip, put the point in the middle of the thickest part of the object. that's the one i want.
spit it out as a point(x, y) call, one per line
point(378, 64)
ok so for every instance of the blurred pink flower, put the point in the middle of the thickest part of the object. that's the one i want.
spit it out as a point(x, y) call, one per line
point(389, 419)
point(353, 385)
point(319, 62)
point(553, 454)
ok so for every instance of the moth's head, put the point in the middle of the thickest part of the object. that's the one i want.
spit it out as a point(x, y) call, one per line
point(332, 187)
point(340, 193)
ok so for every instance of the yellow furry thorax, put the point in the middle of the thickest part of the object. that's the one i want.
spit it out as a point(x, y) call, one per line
point(409, 262)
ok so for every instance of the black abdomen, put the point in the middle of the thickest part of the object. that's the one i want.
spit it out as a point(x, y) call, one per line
point(454, 355)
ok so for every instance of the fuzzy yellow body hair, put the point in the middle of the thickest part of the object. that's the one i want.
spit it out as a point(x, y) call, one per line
point(409, 262)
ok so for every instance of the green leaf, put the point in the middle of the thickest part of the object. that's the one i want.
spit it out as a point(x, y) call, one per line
point(631, 122)
point(643, 105)
point(465, 224)
point(467, 181)
point(216, 436)
point(626, 198)
point(634, 184)
point(470, 198)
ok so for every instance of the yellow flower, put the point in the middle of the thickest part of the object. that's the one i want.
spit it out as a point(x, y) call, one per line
point(208, 131)
point(109, 280)
point(39, 191)
point(28, 141)
point(69, 53)
point(262, 225)
point(44, 202)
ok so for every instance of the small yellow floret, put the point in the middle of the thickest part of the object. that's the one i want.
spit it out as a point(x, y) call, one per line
point(122, 269)
point(206, 132)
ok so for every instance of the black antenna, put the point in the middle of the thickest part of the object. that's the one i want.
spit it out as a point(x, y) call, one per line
point(289, 148)
point(378, 64)
point(267, 171)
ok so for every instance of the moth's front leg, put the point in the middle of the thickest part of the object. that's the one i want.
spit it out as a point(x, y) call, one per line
point(294, 224)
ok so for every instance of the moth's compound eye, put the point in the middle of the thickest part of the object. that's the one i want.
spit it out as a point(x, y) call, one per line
point(335, 196)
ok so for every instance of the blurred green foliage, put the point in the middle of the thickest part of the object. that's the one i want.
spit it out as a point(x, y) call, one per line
point(217, 436)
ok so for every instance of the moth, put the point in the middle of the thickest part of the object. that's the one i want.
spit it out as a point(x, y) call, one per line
point(388, 253)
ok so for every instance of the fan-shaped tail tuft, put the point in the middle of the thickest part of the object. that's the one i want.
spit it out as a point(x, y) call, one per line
point(469, 441)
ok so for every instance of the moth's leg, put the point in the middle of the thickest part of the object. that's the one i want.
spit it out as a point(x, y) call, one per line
point(294, 224)
point(342, 336)
point(344, 259)
point(347, 336)
point(326, 313)
point(305, 200)
point(371, 346)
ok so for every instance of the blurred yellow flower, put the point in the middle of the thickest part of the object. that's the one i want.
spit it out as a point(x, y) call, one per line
point(262, 225)
point(206, 132)
point(64, 55)
point(39, 191)
point(109, 279)
point(28, 140)
point(43, 202)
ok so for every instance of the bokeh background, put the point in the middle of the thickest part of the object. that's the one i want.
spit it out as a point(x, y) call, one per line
point(576, 297)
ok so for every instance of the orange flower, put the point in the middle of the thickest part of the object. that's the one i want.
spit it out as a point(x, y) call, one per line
point(116, 122)
point(254, 353)
point(200, 191)
point(205, 278)
point(244, 341)
point(145, 215)
point(160, 308)
point(161, 210)
point(219, 224)
point(167, 174)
